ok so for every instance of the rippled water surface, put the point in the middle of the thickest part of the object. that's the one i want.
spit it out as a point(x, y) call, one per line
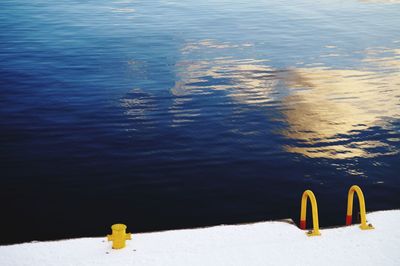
point(176, 114)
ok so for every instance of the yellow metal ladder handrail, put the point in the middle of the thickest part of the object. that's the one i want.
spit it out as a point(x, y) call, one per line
point(308, 194)
point(361, 200)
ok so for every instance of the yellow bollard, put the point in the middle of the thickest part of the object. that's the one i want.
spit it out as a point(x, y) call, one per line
point(303, 214)
point(350, 197)
point(119, 236)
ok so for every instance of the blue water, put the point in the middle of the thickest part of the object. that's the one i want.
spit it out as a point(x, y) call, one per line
point(178, 114)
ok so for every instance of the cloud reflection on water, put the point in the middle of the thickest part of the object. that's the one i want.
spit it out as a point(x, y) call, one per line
point(337, 105)
point(326, 109)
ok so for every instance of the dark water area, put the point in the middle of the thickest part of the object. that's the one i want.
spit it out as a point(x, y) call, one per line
point(181, 114)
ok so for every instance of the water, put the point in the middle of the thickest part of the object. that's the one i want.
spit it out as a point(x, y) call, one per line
point(178, 114)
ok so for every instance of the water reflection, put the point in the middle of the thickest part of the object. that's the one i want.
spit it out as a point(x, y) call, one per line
point(381, 1)
point(181, 114)
point(139, 107)
point(337, 105)
point(210, 44)
point(326, 109)
point(248, 81)
point(123, 10)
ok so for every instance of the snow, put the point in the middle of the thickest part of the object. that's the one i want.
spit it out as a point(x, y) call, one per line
point(266, 243)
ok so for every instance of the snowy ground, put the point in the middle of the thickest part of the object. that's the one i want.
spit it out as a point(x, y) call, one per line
point(267, 243)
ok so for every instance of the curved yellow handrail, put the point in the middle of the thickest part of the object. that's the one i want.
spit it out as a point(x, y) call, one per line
point(350, 199)
point(303, 214)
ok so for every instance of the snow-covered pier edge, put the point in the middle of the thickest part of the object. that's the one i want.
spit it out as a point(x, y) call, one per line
point(265, 243)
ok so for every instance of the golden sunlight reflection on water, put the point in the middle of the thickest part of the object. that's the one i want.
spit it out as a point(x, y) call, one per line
point(323, 107)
